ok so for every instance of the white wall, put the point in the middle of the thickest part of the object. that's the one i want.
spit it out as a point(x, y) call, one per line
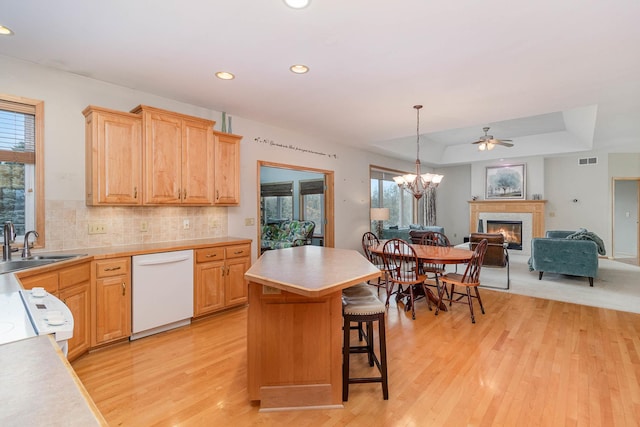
point(558, 179)
point(66, 95)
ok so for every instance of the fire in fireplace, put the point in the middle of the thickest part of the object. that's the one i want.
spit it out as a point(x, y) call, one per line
point(511, 230)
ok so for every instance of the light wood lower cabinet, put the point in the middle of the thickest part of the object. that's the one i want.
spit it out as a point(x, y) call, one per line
point(72, 285)
point(111, 316)
point(219, 281)
point(78, 299)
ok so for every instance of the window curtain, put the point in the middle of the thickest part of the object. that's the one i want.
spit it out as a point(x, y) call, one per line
point(430, 207)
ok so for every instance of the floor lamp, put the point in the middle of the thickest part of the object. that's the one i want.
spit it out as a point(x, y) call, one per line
point(379, 215)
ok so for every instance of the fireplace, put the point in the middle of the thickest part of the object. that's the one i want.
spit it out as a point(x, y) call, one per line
point(511, 230)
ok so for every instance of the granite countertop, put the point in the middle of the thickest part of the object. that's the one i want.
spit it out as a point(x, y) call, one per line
point(40, 388)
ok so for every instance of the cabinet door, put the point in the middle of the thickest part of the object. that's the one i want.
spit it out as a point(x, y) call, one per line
point(114, 142)
point(209, 283)
point(227, 169)
point(48, 281)
point(163, 157)
point(236, 288)
point(197, 163)
point(113, 309)
point(77, 298)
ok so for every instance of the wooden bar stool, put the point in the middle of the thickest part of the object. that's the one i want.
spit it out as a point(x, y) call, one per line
point(362, 306)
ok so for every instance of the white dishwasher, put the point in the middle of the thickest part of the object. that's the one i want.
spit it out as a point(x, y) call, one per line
point(162, 292)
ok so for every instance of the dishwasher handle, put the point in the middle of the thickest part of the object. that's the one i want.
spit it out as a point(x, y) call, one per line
point(162, 261)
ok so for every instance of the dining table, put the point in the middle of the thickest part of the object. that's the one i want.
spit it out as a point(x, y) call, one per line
point(432, 255)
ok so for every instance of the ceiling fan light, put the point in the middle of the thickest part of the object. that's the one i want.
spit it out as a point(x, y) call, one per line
point(490, 146)
point(482, 147)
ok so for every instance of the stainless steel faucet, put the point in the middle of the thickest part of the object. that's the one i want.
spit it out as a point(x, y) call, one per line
point(9, 237)
point(26, 250)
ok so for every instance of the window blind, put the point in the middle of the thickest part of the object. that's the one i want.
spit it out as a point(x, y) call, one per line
point(275, 189)
point(17, 132)
point(315, 186)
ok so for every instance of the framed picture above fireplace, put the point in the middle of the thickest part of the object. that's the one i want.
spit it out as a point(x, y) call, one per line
point(505, 182)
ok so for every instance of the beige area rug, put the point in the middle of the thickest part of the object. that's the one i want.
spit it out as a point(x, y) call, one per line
point(617, 285)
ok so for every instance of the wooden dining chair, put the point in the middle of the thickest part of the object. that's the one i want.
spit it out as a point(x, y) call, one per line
point(434, 238)
point(370, 240)
point(403, 267)
point(470, 279)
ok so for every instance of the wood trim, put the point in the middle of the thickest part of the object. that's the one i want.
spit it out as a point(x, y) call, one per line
point(535, 207)
point(329, 199)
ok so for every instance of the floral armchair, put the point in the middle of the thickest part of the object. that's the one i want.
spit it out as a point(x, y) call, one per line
point(288, 234)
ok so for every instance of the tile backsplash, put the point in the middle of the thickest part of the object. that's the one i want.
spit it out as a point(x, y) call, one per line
point(67, 224)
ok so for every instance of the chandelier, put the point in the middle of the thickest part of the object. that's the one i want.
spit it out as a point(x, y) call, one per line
point(418, 184)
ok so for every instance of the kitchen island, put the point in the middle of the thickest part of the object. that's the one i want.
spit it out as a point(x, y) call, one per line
point(294, 338)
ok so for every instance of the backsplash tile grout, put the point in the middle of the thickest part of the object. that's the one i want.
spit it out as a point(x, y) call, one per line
point(67, 224)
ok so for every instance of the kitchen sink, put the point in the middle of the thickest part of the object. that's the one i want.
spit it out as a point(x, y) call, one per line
point(32, 261)
point(9, 266)
point(45, 257)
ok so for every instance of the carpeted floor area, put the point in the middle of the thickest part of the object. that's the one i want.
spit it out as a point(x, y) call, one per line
point(617, 285)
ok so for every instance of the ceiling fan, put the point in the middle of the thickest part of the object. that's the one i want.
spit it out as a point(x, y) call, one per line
point(488, 142)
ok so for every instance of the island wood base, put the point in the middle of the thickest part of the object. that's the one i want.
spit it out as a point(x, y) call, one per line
point(294, 349)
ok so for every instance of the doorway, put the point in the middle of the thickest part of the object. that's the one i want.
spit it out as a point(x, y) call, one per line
point(626, 232)
point(297, 192)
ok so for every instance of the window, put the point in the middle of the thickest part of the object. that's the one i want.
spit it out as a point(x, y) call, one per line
point(312, 203)
point(277, 201)
point(21, 165)
point(385, 193)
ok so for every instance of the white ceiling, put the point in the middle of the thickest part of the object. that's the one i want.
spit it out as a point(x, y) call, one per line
point(554, 76)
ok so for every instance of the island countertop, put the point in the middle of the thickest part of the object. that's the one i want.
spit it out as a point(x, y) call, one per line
point(311, 271)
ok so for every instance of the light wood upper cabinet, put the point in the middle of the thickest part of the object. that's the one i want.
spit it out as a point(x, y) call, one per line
point(197, 162)
point(113, 157)
point(178, 151)
point(157, 157)
point(227, 170)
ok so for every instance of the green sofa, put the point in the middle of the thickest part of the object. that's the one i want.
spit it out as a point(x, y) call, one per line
point(287, 234)
point(566, 252)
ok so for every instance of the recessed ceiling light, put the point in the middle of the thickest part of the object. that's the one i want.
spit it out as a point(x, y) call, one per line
point(5, 31)
point(299, 68)
point(224, 75)
point(297, 4)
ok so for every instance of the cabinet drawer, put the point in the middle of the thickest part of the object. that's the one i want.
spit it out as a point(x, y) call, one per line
point(112, 267)
point(48, 281)
point(73, 275)
point(209, 254)
point(238, 251)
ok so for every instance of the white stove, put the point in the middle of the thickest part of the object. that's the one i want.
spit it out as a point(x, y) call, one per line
point(25, 314)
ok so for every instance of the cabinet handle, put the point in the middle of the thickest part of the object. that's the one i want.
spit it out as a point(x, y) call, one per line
point(179, 193)
point(184, 197)
point(211, 255)
point(227, 270)
point(238, 252)
point(112, 268)
point(135, 192)
point(124, 288)
point(217, 194)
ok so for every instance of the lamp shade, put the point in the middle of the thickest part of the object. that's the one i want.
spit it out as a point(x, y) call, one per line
point(379, 214)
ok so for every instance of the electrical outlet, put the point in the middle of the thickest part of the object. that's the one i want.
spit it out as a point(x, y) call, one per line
point(249, 221)
point(213, 223)
point(144, 226)
point(97, 228)
point(185, 224)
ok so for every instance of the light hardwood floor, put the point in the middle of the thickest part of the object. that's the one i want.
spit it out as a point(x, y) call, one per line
point(526, 362)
